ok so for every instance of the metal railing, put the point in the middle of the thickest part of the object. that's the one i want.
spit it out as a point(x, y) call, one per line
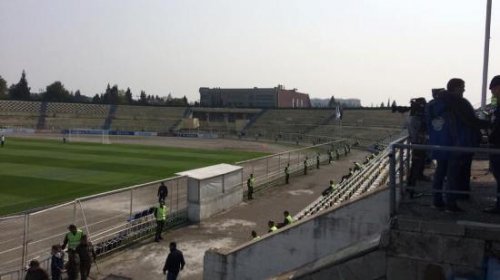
point(269, 169)
point(372, 175)
point(399, 168)
point(103, 217)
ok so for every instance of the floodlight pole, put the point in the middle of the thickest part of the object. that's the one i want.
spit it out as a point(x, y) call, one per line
point(486, 52)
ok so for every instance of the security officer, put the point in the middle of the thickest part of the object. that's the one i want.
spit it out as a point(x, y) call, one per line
point(272, 226)
point(305, 166)
point(317, 161)
point(250, 185)
point(72, 238)
point(255, 236)
point(160, 213)
point(357, 166)
point(330, 188)
point(287, 173)
point(288, 219)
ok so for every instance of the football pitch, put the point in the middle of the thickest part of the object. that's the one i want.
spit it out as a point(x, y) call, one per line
point(36, 173)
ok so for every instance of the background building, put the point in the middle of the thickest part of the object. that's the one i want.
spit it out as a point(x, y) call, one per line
point(276, 97)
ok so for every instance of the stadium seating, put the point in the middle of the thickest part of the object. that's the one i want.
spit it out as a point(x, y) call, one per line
point(371, 176)
point(274, 121)
point(58, 116)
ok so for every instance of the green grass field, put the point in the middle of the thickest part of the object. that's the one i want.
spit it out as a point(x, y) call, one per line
point(36, 173)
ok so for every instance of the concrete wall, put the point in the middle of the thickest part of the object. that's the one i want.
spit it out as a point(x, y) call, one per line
point(307, 240)
point(211, 196)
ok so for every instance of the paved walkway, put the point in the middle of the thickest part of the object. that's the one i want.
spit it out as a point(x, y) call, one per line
point(225, 230)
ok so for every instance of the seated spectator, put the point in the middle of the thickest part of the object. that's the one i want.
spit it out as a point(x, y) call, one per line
point(255, 236)
point(272, 226)
point(330, 189)
point(347, 176)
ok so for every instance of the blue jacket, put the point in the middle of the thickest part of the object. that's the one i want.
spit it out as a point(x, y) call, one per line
point(451, 121)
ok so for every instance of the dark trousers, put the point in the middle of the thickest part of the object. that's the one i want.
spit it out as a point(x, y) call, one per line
point(161, 198)
point(305, 169)
point(159, 229)
point(438, 180)
point(495, 169)
point(287, 178)
point(417, 167)
point(448, 169)
point(250, 193)
point(85, 270)
point(464, 175)
point(171, 275)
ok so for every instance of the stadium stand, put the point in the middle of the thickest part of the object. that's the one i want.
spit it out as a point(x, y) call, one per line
point(59, 116)
point(19, 113)
point(288, 120)
point(147, 118)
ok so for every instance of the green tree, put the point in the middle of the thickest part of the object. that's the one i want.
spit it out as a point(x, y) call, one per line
point(20, 91)
point(143, 99)
point(394, 103)
point(96, 99)
point(128, 97)
point(382, 105)
point(56, 92)
point(3, 88)
point(332, 103)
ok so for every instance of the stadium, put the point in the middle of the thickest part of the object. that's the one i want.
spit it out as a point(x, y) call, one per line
point(99, 167)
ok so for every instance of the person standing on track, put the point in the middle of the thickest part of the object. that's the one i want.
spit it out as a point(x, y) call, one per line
point(160, 213)
point(250, 186)
point(174, 262)
point(162, 192)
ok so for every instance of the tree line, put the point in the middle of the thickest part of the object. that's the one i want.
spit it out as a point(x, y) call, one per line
point(56, 92)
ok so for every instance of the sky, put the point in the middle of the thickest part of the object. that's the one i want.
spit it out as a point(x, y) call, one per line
point(373, 50)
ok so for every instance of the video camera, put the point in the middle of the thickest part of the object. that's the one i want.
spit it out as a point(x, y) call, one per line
point(417, 107)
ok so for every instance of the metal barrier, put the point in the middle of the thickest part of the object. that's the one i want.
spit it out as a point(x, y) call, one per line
point(108, 217)
point(268, 169)
point(373, 174)
point(399, 169)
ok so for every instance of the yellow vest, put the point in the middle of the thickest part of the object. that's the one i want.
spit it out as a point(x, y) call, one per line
point(161, 213)
point(74, 239)
point(273, 228)
point(289, 219)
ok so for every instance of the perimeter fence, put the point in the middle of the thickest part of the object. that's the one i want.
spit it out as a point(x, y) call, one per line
point(117, 218)
point(112, 219)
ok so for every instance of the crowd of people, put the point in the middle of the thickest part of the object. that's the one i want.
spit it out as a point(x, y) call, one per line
point(274, 226)
point(450, 120)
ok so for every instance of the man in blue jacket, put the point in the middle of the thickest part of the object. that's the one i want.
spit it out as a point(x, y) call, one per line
point(451, 121)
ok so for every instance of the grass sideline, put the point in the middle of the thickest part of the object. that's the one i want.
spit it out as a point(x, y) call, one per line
point(35, 173)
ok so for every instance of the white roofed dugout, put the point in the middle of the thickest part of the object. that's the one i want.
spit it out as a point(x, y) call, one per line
point(210, 171)
point(213, 189)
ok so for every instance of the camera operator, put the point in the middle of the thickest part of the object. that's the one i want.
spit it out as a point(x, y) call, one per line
point(417, 132)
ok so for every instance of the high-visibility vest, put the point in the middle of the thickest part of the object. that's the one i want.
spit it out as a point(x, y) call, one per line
point(74, 239)
point(161, 213)
point(289, 219)
point(250, 182)
point(273, 228)
point(256, 237)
